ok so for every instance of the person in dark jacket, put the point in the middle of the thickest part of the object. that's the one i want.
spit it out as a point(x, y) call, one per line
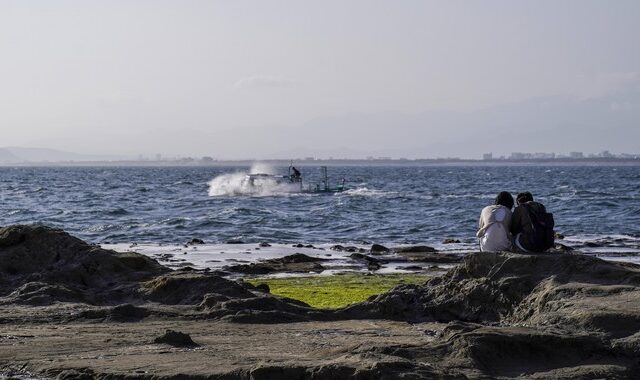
point(296, 173)
point(525, 238)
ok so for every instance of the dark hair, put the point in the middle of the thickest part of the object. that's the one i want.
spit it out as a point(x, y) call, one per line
point(524, 197)
point(505, 199)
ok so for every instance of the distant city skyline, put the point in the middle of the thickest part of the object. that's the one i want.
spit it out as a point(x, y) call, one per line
point(359, 78)
point(16, 155)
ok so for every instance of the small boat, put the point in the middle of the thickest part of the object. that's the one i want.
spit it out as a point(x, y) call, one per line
point(292, 182)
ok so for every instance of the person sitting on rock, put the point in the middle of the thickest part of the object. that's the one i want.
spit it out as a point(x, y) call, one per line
point(531, 226)
point(495, 222)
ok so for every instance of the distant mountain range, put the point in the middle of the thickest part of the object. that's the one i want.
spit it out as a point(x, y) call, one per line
point(550, 124)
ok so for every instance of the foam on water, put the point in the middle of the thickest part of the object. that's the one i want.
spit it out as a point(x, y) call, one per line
point(228, 184)
point(366, 192)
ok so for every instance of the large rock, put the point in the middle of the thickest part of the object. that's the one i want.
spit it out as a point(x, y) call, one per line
point(176, 339)
point(188, 288)
point(529, 316)
point(41, 265)
point(576, 292)
point(414, 249)
point(378, 249)
point(296, 263)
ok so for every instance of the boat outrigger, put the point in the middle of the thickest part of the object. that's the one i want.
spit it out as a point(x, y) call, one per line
point(293, 182)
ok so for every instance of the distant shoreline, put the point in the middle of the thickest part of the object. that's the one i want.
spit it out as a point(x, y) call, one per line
point(338, 162)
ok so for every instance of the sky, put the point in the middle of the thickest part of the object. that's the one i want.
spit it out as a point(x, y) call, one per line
point(266, 79)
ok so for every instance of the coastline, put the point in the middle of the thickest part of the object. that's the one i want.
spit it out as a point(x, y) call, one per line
point(190, 162)
point(215, 256)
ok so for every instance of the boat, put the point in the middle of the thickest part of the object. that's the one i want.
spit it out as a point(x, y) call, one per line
point(324, 186)
point(292, 182)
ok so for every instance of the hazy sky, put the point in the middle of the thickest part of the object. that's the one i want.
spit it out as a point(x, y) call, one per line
point(215, 77)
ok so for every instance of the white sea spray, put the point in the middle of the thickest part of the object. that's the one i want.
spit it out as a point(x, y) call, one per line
point(238, 184)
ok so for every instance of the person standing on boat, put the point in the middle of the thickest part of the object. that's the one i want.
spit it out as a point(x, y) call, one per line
point(495, 224)
point(296, 173)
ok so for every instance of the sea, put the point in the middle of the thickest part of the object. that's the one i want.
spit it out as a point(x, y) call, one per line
point(596, 208)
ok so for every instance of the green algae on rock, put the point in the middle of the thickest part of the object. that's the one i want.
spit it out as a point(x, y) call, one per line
point(332, 292)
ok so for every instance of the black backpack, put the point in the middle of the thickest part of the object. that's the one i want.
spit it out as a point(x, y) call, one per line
point(542, 224)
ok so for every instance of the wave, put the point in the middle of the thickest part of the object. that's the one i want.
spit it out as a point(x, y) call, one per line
point(591, 193)
point(462, 196)
point(366, 192)
point(176, 221)
point(103, 227)
point(117, 211)
point(619, 238)
point(19, 211)
point(213, 223)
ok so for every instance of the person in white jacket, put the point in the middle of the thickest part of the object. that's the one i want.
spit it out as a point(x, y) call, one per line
point(495, 224)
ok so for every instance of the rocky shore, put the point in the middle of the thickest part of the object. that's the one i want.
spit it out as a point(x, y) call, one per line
point(71, 310)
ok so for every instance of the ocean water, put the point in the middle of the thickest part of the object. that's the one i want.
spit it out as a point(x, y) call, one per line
point(387, 205)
